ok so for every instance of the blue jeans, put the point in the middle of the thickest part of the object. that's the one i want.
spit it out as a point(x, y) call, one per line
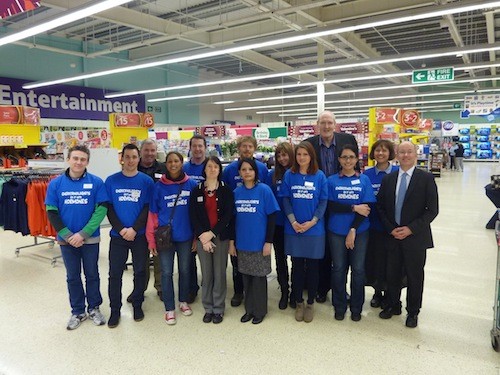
point(343, 258)
point(183, 250)
point(74, 257)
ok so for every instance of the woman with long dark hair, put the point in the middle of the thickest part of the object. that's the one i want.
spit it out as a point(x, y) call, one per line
point(283, 156)
point(304, 200)
point(211, 209)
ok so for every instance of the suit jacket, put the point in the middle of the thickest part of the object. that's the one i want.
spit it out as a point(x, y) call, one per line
point(420, 207)
point(341, 139)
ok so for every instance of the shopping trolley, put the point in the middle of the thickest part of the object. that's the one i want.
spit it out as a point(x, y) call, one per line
point(495, 331)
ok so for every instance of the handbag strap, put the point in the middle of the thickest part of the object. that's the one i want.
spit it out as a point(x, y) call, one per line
point(175, 204)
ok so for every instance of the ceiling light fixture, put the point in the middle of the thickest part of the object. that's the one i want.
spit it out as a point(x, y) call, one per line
point(66, 17)
point(376, 21)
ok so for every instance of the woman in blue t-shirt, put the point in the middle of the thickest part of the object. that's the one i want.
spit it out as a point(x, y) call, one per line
point(382, 152)
point(349, 194)
point(284, 160)
point(171, 194)
point(256, 208)
point(304, 201)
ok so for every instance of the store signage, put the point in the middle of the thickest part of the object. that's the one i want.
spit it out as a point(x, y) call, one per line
point(15, 114)
point(386, 115)
point(211, 131)
point(449, 129)
point(302, 131)
point(10, 7)
point(483, 105)
point(133, 120)
point(68, 102)
point(261, 134)
point(433, 75)
point(409, 118)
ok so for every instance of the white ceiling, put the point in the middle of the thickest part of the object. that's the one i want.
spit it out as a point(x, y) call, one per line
point(148, 30)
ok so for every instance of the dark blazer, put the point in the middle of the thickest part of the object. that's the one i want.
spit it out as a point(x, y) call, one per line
point(341, 139)
point(198, 213)
point(420, 207)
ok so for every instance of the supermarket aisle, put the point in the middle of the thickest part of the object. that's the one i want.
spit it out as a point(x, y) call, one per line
point(452, 337)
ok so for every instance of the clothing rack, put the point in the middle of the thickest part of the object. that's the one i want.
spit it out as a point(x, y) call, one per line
point(37, 175)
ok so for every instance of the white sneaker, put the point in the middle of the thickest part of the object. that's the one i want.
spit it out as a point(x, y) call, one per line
point(97, 317)
point(185, 309)
point(75, 321)
point(170, 317)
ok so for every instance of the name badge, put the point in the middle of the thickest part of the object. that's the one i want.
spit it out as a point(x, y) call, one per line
point(199, 199)
point(157, 175)
point(309, 183)
point(87, 186)
point(355, 182)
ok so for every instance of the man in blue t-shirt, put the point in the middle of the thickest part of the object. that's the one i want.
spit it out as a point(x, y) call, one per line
point(246, 147)
point(194, 169)
point(129, 193)
point(76, 205)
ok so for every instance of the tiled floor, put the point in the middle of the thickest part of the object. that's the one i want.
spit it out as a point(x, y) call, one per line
point(453, 336)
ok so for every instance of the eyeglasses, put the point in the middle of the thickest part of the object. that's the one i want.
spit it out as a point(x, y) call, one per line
point(347, 157)
point(405, 152)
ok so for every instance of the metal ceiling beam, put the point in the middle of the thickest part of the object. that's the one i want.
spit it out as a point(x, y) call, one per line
point(490, 30)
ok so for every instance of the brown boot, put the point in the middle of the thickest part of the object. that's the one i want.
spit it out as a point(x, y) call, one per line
point(299, 312)
point(309, 313)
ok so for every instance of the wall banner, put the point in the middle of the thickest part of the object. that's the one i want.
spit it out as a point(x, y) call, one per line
point(68, 102)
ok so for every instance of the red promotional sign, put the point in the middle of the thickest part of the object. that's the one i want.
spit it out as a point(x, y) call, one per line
point(10, 114)
point(10, 7)
point(31, 116)
point(386, 115)
point(211, 131)
point(134, 120)
point(410, 118)
point(302, 130)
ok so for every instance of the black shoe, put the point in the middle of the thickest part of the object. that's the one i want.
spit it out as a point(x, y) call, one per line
point(246, 318)
point(257, 320)
point(292, 303)
point(207, 318)
point(355, 317)
point(129, 298)
point(138, 313)
point(339, 315)
point(377, 300)
point(412, 320)
point(321, 298)
point(388, 312)
point(237, 299)
point(160, 295)
point(114, 320)
point(191, 297)
point(283, 304)
point(218, 318)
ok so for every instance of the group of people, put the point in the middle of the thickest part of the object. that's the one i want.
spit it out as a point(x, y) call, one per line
point(314, 206)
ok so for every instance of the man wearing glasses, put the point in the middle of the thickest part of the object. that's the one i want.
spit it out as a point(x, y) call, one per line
point(327, 145)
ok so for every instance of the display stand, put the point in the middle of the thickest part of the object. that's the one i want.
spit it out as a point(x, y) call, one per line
point(436, 163)
point(49, 240)
point(495, 331)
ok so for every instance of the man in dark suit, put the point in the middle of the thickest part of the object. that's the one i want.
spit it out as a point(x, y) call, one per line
point(327, 145)
point(407, 203)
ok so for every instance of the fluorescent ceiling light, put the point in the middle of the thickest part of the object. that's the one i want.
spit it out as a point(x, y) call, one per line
point(69, 16)
point(363, 111)
point(322, 68)
point(225, 102)
point(382, 20)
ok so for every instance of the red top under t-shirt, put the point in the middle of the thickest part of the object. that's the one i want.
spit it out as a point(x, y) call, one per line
point(211, 207)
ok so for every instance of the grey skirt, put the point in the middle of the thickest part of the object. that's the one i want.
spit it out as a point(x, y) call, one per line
point(253, 263)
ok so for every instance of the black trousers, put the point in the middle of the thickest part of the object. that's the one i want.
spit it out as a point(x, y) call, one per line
point(494, 197)
point(325, 272)
point(193, 280)
point(376, 260)
point(281, 258)
point(237, 278)
point(305, 270)
point(412, 260)
point(118, 254)
point(255, 288)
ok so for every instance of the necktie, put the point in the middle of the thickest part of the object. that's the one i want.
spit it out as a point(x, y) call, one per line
point(401, 197)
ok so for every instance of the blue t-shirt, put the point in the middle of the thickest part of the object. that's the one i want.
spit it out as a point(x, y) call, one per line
point(128, 195)
point(231, 175)
point(162, 203)
point(305, 192)
point(356, 189)
point(276, 187)
point(252, 206)
point(76, 200)
point(194, 171)
point(376, 180)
